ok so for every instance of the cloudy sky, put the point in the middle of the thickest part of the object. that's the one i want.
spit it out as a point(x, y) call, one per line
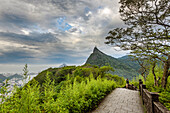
point(45, 33)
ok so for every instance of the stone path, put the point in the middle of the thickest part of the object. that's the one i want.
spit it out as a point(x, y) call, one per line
point(121, 100)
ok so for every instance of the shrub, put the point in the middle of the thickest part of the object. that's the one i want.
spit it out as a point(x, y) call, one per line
point(78, 97)
point(26, 100)
point(165, 98)
point(82, 97)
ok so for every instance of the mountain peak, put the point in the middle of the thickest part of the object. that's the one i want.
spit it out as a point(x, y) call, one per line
point(95, 49)
point(123, 66)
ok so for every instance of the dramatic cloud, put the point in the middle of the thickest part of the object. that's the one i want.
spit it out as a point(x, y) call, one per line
point(55, 31)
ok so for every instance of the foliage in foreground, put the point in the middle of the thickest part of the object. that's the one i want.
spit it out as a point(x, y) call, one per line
point(164, 94)
point(164, 97)
point(74, 97)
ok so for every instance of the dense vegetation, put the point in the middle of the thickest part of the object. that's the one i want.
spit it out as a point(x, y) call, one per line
point(79, 72)
point(123, 66)
point(164, 93)
point(62, 90)
point(164, 97)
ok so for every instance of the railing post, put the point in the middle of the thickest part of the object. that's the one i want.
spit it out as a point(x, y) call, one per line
point(155, 98)
point(132, 87)
point(143, 87)
point(140, 82)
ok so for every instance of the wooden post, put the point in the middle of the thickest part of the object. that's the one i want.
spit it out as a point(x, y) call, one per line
point(143, 87)
point(155, 98)
point(140, 82)
point(132, 87)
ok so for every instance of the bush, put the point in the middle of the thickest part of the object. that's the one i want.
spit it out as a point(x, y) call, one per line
point(24, 101)
point(82, 97)
point(120, 81)
point(165, 98)
point(78, 97)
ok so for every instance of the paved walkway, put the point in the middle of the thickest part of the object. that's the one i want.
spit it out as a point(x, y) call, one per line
point(121, 100)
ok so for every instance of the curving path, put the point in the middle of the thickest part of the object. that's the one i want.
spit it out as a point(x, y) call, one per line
point(121, 100)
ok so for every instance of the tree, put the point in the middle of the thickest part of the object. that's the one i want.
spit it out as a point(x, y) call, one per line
point(143, 67)
point(25, 75)
point(147, 34)
point(153, 72)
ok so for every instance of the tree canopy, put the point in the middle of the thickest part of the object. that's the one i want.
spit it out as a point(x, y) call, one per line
point(147, 31)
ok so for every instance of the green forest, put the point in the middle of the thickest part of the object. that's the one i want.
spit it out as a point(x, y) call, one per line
point(69, 89)
point(73, 89)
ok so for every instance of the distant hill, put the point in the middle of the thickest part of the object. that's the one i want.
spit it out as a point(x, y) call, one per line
point(2, 78)
point(123, 66)
point(15, 76)
point(78, 72)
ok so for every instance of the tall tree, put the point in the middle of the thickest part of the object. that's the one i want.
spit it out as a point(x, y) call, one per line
point(147, 31)
point(25, 74)
point(144, 67)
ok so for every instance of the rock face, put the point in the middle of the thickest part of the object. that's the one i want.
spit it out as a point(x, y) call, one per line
point(123, 66)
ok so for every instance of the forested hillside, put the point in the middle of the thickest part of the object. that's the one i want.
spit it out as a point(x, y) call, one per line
point(68, 89)
point(123, 66)
point(78, 72)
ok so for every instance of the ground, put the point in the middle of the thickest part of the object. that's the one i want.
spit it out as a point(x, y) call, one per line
point(121, 100)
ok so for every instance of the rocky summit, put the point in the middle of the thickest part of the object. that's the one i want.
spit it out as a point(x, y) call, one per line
point(123, 66)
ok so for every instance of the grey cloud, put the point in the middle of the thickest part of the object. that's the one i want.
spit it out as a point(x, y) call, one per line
point(68, 6)
point(14, 19)
point(45, 42)
point(32, 38)
point(15, 56)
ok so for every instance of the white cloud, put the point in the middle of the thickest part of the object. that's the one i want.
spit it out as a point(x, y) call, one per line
point(89, 13)
point(106, 12)
point(26, 32)
point(32, 17)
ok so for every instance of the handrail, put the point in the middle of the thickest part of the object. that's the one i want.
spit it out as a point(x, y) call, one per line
point(151, 100)
point(132, 87)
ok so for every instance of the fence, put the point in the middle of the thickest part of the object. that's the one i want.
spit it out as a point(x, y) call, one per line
point(132, 87)
point(151, 100)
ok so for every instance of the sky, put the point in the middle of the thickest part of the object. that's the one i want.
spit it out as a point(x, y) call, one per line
point(48, 33)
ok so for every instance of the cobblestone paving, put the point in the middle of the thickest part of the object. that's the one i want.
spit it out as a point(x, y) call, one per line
point(121, 100)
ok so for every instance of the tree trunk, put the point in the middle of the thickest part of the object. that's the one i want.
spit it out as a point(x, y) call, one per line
point(143, 75)
point(166, 72)
point(153, 72)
